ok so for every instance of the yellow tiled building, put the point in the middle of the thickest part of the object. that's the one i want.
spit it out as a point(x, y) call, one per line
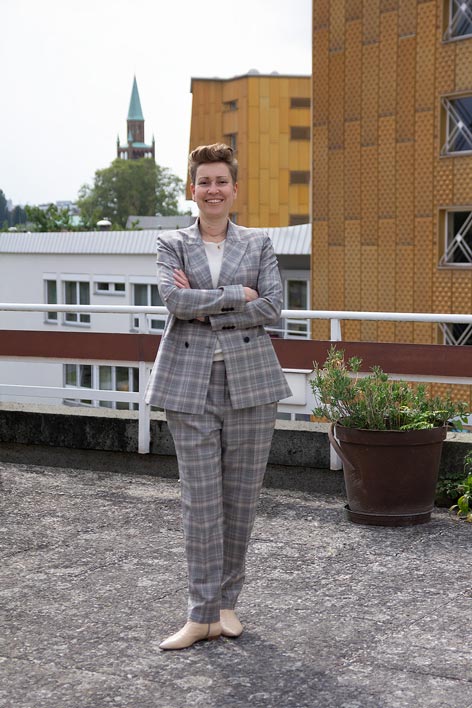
point(267, 120)
point(392, 164)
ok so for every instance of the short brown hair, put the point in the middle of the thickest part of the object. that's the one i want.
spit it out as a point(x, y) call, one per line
point(219, 152)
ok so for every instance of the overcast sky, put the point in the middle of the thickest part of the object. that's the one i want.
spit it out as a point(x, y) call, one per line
point(68, 67)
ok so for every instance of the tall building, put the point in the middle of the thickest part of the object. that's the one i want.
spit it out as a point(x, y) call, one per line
point(266, 120)
point(136, 148)
point(392, 164)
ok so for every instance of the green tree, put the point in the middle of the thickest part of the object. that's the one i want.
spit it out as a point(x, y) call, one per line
point(129, 187)
point(169, 188)
point(3, 210)
point(18, 216)
point(50, 219)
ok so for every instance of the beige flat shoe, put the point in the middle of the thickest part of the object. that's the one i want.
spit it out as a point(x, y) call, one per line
point(190, 633)
point(230, 624)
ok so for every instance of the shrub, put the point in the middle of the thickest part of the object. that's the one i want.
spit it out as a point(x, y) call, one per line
point(375, 401)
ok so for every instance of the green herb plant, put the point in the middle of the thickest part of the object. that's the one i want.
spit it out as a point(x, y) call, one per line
point(463, 507)
point(374, 401)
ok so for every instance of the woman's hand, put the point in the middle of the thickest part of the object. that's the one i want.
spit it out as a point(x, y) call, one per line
point(180, 279)
point(250, 294)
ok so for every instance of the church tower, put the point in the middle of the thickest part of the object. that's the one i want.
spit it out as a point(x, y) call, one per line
point(136, 148)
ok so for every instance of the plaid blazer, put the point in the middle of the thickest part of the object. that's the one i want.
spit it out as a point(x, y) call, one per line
point(181, 372)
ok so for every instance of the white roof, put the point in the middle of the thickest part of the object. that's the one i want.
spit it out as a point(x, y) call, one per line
point(291, 240)
point(83, 242)
point(288, 240)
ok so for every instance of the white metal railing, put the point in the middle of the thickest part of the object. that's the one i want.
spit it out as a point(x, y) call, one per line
point(334, 316)
point(292, 314)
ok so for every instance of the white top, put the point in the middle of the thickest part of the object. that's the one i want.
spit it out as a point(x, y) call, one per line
point(214, 253)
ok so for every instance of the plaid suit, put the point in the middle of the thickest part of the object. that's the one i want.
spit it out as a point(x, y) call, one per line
point(180, 376)
point(221, 414)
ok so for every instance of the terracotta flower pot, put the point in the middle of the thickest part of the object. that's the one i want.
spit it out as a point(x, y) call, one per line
point(391, 475)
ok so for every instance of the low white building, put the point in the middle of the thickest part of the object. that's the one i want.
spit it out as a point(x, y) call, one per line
point(109, 268)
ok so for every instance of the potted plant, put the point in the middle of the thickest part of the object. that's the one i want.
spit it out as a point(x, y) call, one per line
point(389, 435)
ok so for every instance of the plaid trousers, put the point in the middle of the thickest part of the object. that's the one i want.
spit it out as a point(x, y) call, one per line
point(222, 455)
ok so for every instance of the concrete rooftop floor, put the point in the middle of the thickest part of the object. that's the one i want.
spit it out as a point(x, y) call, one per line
point(336, 615)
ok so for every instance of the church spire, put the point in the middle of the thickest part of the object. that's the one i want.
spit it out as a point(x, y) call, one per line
point(135, 111)
point(136, 147)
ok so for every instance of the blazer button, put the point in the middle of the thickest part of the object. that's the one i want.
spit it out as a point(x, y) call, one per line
point(186, 345)
point(246, 339)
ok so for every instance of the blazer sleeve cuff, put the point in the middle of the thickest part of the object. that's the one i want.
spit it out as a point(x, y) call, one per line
point(233, 300)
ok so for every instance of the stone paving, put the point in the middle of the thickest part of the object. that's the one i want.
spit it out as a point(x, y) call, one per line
point(336, 615)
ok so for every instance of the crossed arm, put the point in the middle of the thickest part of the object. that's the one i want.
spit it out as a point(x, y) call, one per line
point(234, 306)
point(181, 281)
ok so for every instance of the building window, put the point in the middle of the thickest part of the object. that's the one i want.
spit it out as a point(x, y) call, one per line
point(118, 378)
point(231, 139)
point(296, 298)
point(105, 378)
point(296, 219)
point(147, 294)
point(300, 132)
point(76, 293)
point(299, 177)
point(78, 376)
point(230, 106)
point(457, 225)
point(457, 334)
point(51, 299)
point(456, 125)
point(300, 102)
point(109, 288)
point(458, 19)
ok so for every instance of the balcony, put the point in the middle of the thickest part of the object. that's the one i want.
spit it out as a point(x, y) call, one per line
point(298, 443)
point(93, 568)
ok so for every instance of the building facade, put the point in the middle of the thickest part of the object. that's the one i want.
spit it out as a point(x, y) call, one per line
point(266, 120)
point(136, 148)
point(109, 268)
point(392, 164)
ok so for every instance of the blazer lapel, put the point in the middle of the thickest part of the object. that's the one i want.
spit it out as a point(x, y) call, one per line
point(200, 275)
point(235, 248)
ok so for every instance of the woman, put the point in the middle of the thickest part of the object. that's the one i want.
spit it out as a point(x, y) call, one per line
point(218, 378)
